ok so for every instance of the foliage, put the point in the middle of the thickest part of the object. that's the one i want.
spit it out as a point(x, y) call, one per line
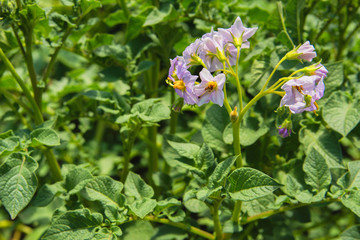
point(91, 146)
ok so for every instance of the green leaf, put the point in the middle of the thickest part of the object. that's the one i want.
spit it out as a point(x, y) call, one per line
point(88, 5)
point(172, 156)
point(354, 171)
point(157, 16)
point(352, 233)
point(18, 182)
point(334, 78)
point(137, 230)
point(33, 13)
point(105, 190)
point(47, 193)
point(205, 160)
point(77, 224)
point(246, 184)
point(221, 172)
point(44, 136)
point(187, 150)
point(134, 26)
point(8, 145)
point(317, 173)
point(164, 204)
point(143, 207)
point(260, 205)
point(195, 205)
point(136, 187)
point(100, 39)
point(115, 18)
point(76, 179)
point(351, 201)
point(342, 112)
point(216, 120)
point(323, 141)
point(151, 110)
point(142, 67)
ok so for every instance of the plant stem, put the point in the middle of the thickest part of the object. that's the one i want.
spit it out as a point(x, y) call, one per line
point(280, 10)
point(284, 209)
point(125, 169)
point(53, 164)
point(99, 133)
point(217, 223)
point(173, 116)
point(55, 54)
point(30, 66)
point(238, 85)
point(183, 226)
point(153, 151)
point(18, 41)
point(37, 113)
point(272, 73)
point(122, 4)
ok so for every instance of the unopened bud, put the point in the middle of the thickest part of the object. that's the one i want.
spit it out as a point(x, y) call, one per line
point(234, 115)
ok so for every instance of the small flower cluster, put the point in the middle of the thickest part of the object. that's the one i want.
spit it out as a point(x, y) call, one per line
point(214, 51)
point(302, 93)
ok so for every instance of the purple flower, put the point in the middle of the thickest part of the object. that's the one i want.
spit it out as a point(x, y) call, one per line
point(301, 94)
point(213, 46)
point(210, 88)
point(182, 80)
point(193, 54)
point(321, 72)
point(237, 34)
point(307, 51)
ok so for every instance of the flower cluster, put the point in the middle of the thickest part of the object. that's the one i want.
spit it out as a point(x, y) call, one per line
point(302, 93)
point(214, 51)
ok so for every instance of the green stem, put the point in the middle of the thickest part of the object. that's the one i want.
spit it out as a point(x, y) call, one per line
point(238, 85)
point(272, 73)
point(18, 41)
point(53, 164)
point(37, 113)
point(217, 223)
point(128, 143)
point(38, 118)
point(18, 3)
point(252, 102)
point(30, 66)
point(55, 54)
point(173, 116)
point(183, 226)
point(125, 169)
point(153, 151)
point(99, 133)
point(122, 4)
point(284, 209)
point(280, 10)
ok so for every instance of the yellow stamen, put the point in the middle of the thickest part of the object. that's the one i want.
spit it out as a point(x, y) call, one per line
point(211, 86)
point(179, 84)
point(316, 105)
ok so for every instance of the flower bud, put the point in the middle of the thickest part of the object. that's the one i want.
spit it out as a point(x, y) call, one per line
point(285, 128)
point(234, 115)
